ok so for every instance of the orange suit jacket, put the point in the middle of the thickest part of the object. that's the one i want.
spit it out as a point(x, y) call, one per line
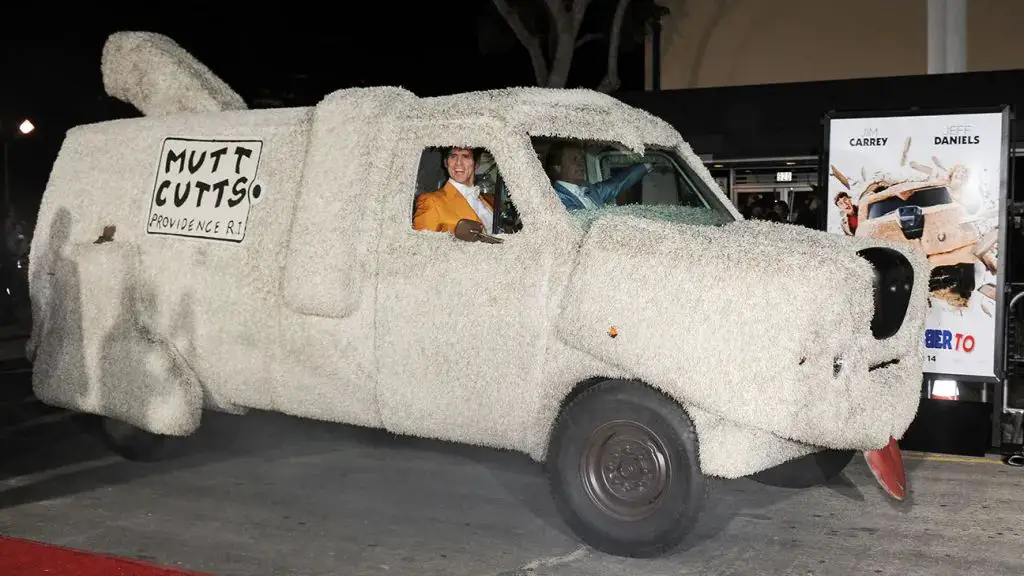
point(441, 210)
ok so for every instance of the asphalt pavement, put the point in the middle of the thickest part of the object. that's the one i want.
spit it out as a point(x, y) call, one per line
point(266, 494)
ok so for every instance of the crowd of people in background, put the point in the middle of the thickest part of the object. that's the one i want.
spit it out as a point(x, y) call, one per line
point(15, 308)
point(806, 211)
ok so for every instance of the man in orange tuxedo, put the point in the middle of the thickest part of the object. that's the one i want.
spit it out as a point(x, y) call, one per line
point(441, 210)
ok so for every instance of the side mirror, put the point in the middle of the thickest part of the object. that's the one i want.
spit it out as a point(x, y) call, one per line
point(473, 231)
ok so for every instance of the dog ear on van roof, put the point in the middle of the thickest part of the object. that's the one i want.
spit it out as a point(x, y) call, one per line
point(157, 76)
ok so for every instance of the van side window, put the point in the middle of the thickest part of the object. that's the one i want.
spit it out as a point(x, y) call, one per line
point(591, 174)
point(662, 185)
point(455, 183)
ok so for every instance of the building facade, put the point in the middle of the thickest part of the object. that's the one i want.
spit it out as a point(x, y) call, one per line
point(713, 43)
point(712, 55)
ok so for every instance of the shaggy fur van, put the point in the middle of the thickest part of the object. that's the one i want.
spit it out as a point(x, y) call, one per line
point(332, 307)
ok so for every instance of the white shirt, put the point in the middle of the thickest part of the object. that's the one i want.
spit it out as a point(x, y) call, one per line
point(577, 191)
point(472, 195)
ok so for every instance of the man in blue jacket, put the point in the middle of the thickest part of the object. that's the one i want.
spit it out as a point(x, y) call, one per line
point(566, 163)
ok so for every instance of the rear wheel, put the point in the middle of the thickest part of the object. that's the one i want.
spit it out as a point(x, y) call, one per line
point(623, 469)
point(134, 443)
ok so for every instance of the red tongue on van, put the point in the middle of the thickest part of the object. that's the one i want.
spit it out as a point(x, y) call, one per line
point(887, 466)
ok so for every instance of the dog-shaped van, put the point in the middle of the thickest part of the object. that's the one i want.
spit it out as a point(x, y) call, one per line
point(206, 256)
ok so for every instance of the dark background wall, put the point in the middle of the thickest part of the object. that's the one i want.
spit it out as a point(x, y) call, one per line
point(786, 119)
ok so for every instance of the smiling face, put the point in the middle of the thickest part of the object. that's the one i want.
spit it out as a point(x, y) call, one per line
point(845, 205)
point(460, 165)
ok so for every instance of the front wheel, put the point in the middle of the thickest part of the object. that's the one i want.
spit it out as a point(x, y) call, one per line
point(624, 469)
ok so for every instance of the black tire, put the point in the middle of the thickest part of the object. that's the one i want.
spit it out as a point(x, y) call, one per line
point(807, 471)
point(133, 443)
point(652, 434)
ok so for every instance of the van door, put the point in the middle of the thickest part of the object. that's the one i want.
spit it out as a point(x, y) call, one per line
point(463, 326)
point(326, 356)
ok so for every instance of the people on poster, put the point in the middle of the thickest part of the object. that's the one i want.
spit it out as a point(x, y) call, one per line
point(848, 213)
point(933, 182)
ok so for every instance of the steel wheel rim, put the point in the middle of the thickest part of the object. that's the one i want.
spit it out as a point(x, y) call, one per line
point(626, 470)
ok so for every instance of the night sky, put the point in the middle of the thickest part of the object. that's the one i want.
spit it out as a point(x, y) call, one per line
point(51, 71)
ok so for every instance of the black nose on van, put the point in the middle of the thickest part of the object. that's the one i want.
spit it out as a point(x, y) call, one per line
point(911, 221)
point(893, 283)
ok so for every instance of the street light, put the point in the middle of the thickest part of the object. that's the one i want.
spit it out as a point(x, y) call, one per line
point(25, 128)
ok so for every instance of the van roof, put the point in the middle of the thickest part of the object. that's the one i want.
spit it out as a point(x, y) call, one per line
point(137, 66)
point(550, 112)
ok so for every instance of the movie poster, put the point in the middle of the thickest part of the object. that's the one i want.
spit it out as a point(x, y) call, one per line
point(934, 182)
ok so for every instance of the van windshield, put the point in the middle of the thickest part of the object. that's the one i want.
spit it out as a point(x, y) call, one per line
point(594, 178)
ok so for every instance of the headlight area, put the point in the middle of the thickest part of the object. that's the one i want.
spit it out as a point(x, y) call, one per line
point(893, 284)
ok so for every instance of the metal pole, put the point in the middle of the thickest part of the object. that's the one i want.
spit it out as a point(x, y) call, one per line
point(732, 188)
point(947, 36)
point(656, 56)
point(955, 36)
point(936, 36)
point(7, 181)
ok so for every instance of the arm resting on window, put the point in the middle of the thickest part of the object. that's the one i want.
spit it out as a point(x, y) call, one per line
point(603, 192)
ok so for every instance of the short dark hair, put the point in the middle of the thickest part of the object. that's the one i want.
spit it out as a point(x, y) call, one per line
point(555, 152)
point(840, 196)
point(447, 150)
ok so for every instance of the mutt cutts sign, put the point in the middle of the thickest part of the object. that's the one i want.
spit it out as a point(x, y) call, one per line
point(936, 182)
point(205, 188)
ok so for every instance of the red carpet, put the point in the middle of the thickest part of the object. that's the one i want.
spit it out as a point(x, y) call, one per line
point(24, 558)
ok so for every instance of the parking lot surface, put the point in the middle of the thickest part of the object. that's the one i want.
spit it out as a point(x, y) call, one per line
point(269, 494)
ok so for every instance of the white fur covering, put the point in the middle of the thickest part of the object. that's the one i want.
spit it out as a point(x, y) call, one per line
point(157, 76)
point(743, 305)
point(334, 308)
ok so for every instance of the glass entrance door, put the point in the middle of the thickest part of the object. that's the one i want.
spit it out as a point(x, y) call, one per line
point(778, 189)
